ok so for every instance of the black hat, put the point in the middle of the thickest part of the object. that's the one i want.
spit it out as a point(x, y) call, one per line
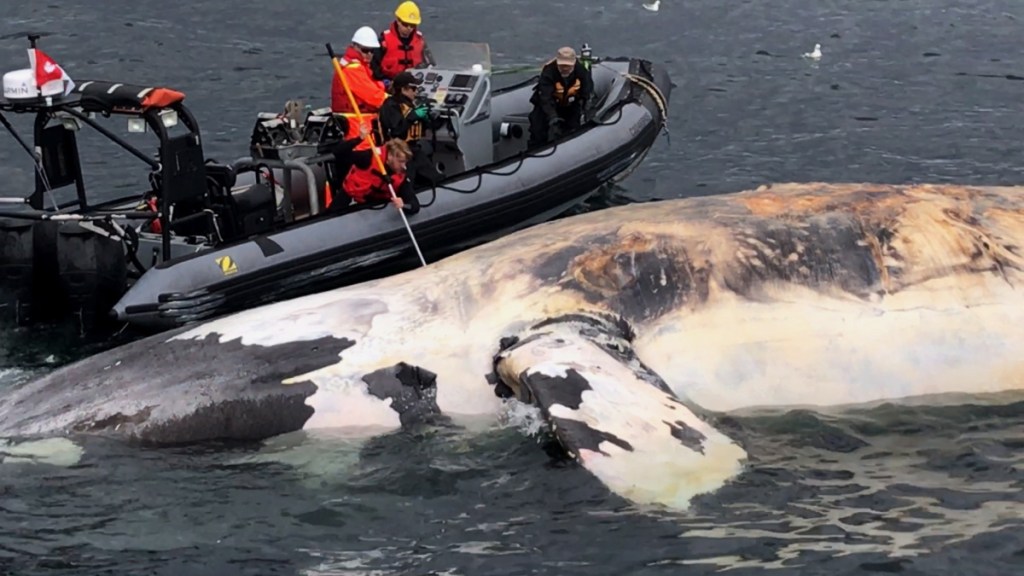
point(405, 79)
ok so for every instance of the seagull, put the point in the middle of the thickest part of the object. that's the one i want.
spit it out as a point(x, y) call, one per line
point(816, 54)
point(653, 6)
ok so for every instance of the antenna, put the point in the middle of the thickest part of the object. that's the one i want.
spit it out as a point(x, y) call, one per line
point(32, 39)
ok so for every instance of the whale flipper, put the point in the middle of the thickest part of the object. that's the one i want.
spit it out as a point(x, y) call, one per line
point(615, 416)
point(411, 391)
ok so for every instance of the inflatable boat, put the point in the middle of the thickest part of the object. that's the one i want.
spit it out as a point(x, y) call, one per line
point(206, 238)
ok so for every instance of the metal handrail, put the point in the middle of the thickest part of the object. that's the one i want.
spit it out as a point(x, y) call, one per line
point(287, 165)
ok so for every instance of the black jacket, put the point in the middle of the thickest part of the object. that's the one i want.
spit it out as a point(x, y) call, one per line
point(551, 82)
point(394, 122)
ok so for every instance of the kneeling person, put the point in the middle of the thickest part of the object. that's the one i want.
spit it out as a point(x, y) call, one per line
point(364, 183)
point(559, 98)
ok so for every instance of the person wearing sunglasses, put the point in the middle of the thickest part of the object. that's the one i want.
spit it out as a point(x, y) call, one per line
point(368, 92)
point(404, 117)
point(402, 44)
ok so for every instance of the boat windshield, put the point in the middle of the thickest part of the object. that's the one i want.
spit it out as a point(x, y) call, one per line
point(460, 55)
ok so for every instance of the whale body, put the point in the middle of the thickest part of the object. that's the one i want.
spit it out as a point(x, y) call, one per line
point(633, 329)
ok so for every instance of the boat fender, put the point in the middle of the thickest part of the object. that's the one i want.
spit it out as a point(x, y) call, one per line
point(92, 271)
point(16, 267)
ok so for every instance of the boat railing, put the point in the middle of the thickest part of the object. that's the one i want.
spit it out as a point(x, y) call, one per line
point(287, 166)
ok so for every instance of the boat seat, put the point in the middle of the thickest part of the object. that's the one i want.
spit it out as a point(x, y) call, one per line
point(255, 207)
point(220, 179)
point(222, 175)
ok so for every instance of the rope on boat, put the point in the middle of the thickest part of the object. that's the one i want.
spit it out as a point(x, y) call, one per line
point(660, 101)
point(656, 94)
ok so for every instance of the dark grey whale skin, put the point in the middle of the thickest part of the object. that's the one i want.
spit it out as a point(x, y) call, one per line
point(159, 391)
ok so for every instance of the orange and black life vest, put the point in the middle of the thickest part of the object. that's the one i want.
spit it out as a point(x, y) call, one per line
point(415, 131)
point(400, 53)
point(564, 96)
point(369, 184)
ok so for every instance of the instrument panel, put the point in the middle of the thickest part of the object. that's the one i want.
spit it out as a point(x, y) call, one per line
point(446, 88)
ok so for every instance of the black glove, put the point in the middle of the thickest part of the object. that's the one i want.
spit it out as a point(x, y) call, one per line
point(555, 127)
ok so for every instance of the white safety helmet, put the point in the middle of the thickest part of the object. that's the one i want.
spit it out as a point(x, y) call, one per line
point(366, 37)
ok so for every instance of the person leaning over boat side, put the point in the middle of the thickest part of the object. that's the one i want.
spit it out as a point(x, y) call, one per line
point(402, 118)
point(368, 92)
point(364, 184)
point(402, 44)
point(559, 98)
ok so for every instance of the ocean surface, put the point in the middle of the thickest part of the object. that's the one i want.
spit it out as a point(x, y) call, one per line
point(907, 91)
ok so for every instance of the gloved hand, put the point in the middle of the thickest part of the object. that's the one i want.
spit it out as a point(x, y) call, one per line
point(555, 127)
point(421, 112)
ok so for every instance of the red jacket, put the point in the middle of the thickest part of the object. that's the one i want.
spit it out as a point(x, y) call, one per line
point(368, 93)
point(398, 54)
point(363, 184)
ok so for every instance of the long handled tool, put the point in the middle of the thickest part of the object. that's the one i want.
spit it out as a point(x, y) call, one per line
point(376, 154)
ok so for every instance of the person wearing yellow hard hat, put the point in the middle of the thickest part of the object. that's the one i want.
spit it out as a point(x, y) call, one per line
point(402, 45)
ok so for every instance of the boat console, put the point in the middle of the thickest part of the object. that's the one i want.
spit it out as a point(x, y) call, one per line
point(458, 90)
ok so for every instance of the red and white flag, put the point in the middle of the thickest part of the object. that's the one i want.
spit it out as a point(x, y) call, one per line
point(47, 70)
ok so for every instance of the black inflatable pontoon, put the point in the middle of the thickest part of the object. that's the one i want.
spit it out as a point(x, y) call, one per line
point(255, 231)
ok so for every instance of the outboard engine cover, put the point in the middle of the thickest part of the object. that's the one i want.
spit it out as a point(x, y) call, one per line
point(93, 272)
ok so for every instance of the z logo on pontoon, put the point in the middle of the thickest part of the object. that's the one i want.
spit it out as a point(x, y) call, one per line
point(227, 265)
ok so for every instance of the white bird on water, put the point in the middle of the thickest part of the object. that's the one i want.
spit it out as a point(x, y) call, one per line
point(816, 54)
point(653, 6)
